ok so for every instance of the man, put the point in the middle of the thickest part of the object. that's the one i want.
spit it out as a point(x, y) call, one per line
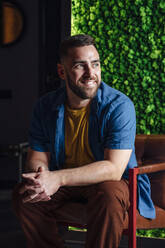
point(81, 146)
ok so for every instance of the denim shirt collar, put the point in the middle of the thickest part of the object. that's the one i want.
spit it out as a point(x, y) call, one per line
point(61, 99)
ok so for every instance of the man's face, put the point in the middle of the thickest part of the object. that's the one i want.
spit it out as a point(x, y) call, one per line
point(82, 71)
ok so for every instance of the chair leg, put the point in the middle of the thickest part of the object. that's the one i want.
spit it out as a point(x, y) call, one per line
point(133, 203)
point(132, 238)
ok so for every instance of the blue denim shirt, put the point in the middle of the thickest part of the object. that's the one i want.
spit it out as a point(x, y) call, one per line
point(112, 125)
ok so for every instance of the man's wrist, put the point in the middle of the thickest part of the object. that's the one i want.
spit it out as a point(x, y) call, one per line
point(62, 174)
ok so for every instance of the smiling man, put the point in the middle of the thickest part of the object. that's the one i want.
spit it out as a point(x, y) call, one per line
point(81, 72)
point(81, 146)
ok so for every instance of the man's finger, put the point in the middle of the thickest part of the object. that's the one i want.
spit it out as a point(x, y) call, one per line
point(41, 169)
point(33, 188)
point(41, 197)
point(29, 198)
point(29, 175)
point(32, 181)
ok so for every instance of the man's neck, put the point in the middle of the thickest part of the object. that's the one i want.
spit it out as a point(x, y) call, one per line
point(76, 102)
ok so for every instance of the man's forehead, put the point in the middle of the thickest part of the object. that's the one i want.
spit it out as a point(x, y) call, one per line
point(83, 53)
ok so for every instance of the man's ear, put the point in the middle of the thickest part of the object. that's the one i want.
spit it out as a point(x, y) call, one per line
point(60, 70)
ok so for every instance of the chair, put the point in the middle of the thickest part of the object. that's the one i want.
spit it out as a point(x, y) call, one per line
point(150, 153)
point(18, 150)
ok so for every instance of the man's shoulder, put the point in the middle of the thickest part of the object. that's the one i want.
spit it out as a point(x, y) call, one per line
point(116, 106)
point(52, 99)
point(114, 97)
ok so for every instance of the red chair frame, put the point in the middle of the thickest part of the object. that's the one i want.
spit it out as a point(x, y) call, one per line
point(133, 197)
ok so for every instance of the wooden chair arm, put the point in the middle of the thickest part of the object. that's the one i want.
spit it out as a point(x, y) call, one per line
point(151, 168)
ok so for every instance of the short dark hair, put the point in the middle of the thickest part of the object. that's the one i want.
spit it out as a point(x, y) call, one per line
point(78, 40)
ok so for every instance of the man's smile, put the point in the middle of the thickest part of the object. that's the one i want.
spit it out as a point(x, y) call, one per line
point(89, 83)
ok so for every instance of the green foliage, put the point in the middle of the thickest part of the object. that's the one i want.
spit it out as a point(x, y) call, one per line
point(157, 233)
point(154, 233)
point(130, 38)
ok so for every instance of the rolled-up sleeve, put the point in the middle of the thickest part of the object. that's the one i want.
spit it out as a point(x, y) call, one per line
point(38, 139)
point(121, 127)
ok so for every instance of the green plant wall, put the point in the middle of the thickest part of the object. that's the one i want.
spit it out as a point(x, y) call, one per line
point(130, 37)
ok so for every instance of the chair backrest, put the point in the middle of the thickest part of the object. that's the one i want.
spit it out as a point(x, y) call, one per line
point(150, 149)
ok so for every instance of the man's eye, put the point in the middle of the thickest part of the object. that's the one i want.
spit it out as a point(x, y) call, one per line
point(79, 66)
point(96, 65)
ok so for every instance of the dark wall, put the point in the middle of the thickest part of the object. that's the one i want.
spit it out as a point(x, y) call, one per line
point(19, 73)
point(28, 70)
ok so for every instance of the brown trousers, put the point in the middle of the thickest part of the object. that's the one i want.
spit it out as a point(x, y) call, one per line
point(107, 205)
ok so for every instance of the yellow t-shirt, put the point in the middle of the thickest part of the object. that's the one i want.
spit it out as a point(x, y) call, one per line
point(77, 150)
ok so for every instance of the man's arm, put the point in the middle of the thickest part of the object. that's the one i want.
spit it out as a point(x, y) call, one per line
point(111, 168)
point(35, 160)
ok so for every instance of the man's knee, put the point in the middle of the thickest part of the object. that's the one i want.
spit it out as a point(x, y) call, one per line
point(114, 194)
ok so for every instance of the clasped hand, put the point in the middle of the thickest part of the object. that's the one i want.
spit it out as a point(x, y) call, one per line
point(39, 186)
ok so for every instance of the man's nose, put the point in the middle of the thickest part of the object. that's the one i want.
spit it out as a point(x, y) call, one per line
point(89, 71)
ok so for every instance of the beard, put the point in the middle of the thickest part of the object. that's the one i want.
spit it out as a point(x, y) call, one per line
point(82, 91)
